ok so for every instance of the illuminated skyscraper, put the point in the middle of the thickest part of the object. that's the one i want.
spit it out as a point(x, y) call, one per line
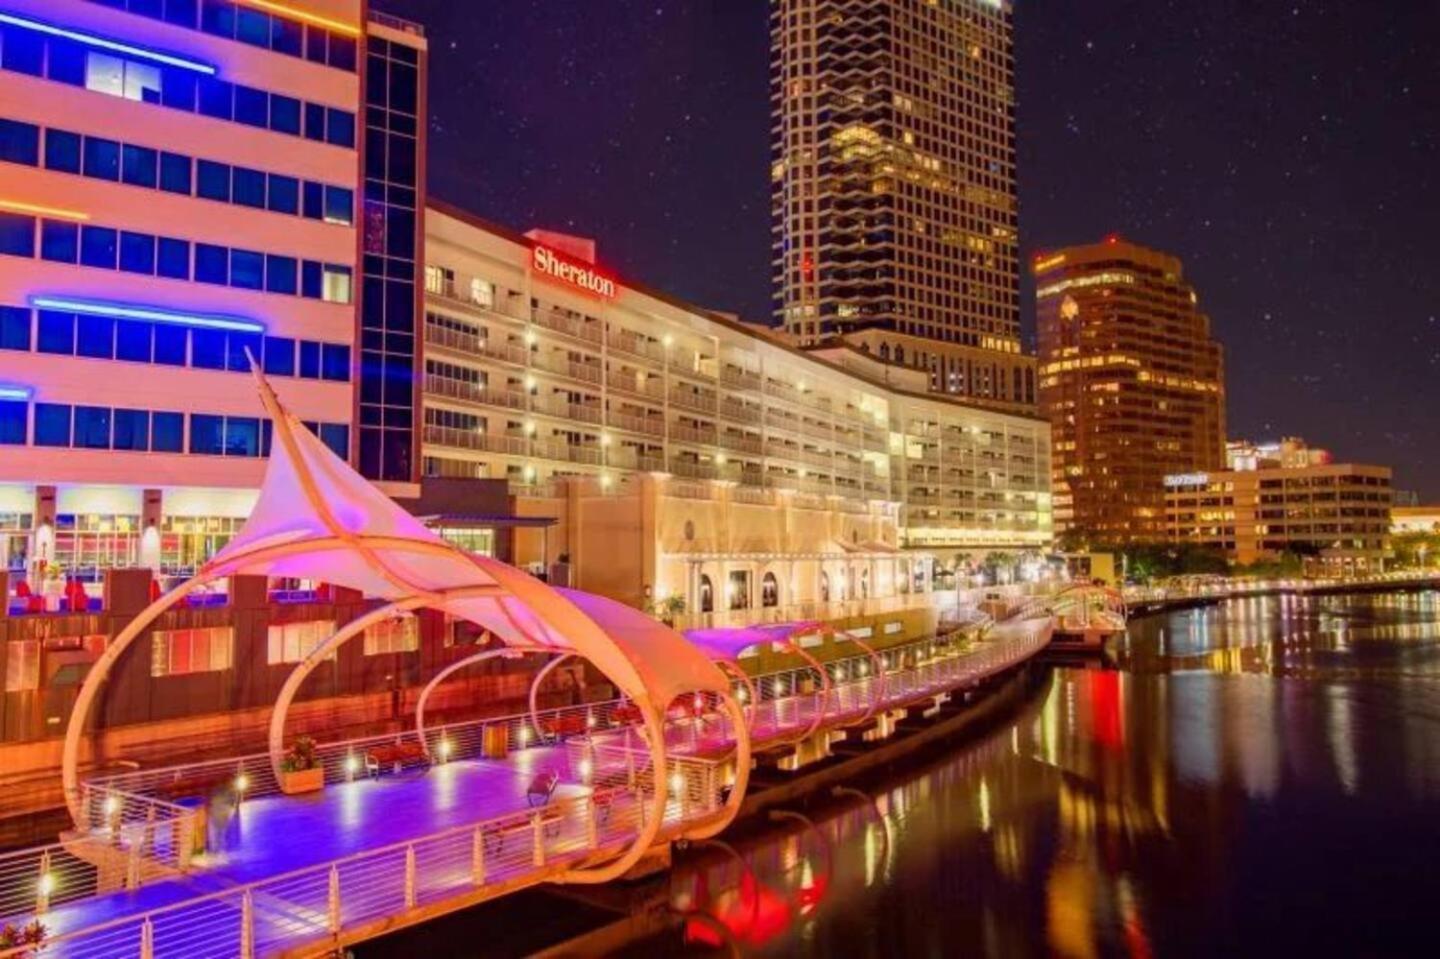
point(1131, 381)
point(893, 186)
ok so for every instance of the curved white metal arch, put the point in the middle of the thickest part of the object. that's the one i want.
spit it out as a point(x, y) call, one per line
point(534, 698)
point(95, 679)
point(653, 726)
point(825, 687)
point(503, 652)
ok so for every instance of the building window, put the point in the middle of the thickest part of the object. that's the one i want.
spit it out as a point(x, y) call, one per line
point(482, 293)
point(62, 151)
point(167, 432)
point(52, 424)
point(99, 246)
point(122, 78)
point(177, 652)
point(337, 284)
point(400, 634)
point(737, 589)
point(824, 587)
point(12, 422)
point(292, 642)
point(207, 434)
point(17, 235)
point(769, 591)
point(14, 328)
point(707, 594)
point(19, 142)
point(59, 241)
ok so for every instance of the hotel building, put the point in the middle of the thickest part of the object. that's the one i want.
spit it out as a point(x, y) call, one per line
point(181, 189)
point(686, 454)
point(893, 201)
point(1131, 381)
point(1285, 498)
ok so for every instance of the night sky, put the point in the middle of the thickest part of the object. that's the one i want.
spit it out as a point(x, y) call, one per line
point(1286, 151)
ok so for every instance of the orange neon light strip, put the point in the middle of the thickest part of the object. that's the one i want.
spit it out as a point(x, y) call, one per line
point(305, 15)
point(18, 207)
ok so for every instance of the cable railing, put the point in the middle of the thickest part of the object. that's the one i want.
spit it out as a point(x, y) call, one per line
point(597, 750)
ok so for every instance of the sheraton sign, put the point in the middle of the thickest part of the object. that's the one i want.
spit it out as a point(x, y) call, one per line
point(582, 276)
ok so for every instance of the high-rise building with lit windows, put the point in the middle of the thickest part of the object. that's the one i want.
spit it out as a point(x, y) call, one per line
point(893, 200)
point(1132, 382)
point(184, 185)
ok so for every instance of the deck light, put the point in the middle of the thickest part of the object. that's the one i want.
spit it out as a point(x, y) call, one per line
point(155, 314)
point(445, 749)
point(11, 392)
point(242, 782)
point(47, 883)
point(677, 783)
point(90, 40)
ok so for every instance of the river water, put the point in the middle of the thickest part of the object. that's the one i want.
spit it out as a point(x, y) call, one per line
point(1259, 777)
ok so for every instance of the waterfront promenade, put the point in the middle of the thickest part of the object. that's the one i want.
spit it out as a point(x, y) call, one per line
point(302, 874)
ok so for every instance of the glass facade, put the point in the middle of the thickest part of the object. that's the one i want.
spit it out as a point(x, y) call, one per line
point(389, 299)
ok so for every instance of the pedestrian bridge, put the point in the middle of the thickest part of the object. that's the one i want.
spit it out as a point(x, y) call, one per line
point(411, 827)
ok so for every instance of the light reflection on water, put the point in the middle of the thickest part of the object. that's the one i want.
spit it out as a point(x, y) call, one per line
point(1262, 775)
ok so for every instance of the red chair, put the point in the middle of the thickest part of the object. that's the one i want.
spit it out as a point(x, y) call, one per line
point(154, 589)
point(77, 599)
point(22, 590)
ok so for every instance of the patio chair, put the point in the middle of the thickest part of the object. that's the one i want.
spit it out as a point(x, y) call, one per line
point(542, 788)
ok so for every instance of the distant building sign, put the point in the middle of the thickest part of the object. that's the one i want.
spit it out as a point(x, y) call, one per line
point(1187, 479)
point(582, 276)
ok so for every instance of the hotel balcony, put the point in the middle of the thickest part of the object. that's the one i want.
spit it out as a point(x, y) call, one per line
point(651, 388)
point(740, 379)
point(557, 322)
point(687, 399)
point(634, 345)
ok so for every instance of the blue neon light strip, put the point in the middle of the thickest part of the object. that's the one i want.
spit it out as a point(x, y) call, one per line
point(155, 314)
point(104, 44)
point(8, 392)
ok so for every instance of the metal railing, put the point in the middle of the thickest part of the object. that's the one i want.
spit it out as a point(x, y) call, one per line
point(603, 808)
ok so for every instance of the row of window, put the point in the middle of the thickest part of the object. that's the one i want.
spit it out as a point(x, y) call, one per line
point(70, 62)
point(108, 248)
point(269, 31)
point(104, 159)
point(168, 344)
point(140, 431)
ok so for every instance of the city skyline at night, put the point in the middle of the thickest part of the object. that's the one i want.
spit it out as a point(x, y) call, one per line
point(1284, 152)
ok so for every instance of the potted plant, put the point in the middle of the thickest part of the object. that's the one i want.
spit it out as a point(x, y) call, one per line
point(668, 609)
point(300, 771)
point(31, 936)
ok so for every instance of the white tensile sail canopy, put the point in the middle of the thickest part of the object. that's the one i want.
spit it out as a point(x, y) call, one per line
point(318, 519)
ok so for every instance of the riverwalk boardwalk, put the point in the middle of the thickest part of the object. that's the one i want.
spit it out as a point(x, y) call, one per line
point(402, 828)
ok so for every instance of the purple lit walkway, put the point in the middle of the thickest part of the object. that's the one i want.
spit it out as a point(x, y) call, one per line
point(300, 874)
point(276, 834)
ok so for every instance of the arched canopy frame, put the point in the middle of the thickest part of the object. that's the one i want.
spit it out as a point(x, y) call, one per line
point(317, 519)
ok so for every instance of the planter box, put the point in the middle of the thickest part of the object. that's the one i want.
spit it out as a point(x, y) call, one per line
point(302, 781)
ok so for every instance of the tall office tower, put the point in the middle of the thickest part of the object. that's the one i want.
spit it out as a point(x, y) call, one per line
point(1131, 381)
point(893, 204)
point(179, 189)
